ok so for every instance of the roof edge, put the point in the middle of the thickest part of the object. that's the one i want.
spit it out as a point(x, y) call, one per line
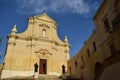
point(103, 2)
point(44, 14)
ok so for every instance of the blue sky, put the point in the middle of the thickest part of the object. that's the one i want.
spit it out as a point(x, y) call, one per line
point(74, 18)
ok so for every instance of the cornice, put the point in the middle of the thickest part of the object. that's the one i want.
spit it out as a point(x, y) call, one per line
point(35, 39)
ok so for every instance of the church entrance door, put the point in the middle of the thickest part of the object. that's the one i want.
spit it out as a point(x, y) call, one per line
point(43, 66)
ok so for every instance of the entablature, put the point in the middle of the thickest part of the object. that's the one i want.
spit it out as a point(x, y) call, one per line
point(31, 38)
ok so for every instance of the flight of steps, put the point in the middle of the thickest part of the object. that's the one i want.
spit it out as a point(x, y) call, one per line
point(40, 77)
point(48, 77)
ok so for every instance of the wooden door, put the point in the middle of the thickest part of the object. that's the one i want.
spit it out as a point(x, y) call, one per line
point(43, 66)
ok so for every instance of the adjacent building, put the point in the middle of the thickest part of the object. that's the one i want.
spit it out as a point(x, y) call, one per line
point(99, 58)
point(40, 45)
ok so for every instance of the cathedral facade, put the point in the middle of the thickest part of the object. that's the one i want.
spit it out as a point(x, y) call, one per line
point(40, 45)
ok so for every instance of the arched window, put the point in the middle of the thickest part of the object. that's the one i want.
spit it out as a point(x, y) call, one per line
point(43, 32)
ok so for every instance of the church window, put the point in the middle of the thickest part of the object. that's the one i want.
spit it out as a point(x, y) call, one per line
point(43, 32)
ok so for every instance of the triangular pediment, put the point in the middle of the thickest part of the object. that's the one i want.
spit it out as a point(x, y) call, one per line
point(45, 17)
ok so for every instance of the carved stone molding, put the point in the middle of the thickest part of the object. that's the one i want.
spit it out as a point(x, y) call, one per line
point(11, 43)
point(54, 48)
point(43, 52)
point(44, 25)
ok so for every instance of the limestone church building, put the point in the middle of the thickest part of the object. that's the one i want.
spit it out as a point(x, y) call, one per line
point(38, 44)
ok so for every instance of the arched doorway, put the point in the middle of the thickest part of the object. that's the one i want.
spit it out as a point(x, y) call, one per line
point(98, 69)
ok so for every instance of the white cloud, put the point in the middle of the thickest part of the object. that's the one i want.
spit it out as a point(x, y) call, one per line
point(55, 6)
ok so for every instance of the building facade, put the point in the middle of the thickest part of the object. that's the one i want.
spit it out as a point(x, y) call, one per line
point(99, 58)
point(38, 44)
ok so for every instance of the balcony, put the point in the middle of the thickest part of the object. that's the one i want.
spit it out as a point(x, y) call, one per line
point(113, 58)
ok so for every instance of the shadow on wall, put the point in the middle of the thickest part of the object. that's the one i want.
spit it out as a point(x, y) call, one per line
point(111, 73)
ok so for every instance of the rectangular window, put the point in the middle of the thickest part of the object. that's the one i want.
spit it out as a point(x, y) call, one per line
point(88, 52)
point(106, 24)
point(116, 21)
point(94, 46)
point(112, 49)
point(70, 69)
point(76, 63)
point(82, 58)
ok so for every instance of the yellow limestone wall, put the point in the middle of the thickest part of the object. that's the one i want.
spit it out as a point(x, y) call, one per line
point(85, 68)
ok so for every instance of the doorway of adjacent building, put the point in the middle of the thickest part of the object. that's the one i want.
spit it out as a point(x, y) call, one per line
point(98, 70)
point(43, 66)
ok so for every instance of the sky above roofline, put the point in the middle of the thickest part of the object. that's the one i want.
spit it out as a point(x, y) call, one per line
point(74, 18)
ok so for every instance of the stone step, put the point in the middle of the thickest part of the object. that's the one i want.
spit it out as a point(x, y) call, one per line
point(31, 79)
point(47, 77)
point(40, 77)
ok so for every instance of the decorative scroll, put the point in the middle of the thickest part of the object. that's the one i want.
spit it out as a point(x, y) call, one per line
point(43, 51)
